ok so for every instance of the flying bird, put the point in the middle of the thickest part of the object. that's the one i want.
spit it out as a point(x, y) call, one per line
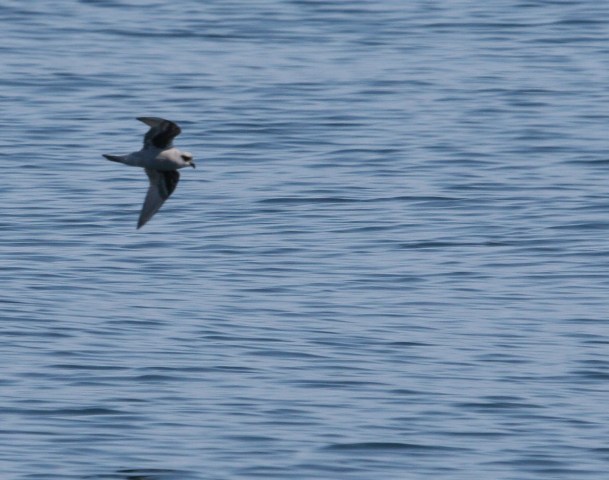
point(161, 160)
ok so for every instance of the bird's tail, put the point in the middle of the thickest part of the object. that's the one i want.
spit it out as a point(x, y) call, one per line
point(115, 158)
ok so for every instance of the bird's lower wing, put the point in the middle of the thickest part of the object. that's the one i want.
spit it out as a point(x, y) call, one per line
point(162, 185)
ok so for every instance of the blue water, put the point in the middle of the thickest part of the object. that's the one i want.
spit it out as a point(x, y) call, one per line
point(391, 262)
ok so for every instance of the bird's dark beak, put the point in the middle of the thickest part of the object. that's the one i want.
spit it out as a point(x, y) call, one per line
point(192, 164)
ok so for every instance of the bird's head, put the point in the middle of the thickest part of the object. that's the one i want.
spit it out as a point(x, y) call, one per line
point(187, 158)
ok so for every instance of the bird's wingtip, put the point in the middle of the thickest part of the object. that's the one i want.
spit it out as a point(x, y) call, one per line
point(151, 121)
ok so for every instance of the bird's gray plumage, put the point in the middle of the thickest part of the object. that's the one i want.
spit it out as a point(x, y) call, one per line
point(161, 133)
point(161, 162)
point(162, 185)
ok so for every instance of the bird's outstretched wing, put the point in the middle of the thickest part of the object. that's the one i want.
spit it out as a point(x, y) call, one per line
point(162, 185)
point(161, 133)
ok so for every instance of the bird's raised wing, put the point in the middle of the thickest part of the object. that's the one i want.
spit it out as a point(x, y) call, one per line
point(161, 133)
point(162, 185)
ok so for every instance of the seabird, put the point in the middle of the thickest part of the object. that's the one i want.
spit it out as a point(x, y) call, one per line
point(161, 160)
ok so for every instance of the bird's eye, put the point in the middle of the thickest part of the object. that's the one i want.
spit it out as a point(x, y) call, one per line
point(186, 158)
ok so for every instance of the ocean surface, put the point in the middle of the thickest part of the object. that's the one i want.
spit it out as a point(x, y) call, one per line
point(392, 261)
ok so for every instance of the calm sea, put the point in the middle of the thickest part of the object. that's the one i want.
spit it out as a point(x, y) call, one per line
point(392, 261)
